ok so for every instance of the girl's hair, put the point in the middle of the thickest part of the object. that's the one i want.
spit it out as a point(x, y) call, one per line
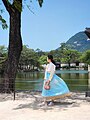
point(51, 58)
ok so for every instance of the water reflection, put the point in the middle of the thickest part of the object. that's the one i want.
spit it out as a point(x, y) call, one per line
point(76, 80)
point(89, 80)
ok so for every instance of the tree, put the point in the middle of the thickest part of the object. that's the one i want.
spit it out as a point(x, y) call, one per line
point(86, 57)
point(14, 8)
point(63, 46)
point(39, 52)
point(3, 56)
point(43, 59)
point(28, 58)
point(70, 56)
point(3, 51)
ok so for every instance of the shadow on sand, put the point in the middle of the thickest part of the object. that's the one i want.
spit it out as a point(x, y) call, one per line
point(62, 104)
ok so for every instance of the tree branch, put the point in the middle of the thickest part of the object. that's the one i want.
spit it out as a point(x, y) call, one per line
point(40, 2)
point(7, 5)
point(17, 5)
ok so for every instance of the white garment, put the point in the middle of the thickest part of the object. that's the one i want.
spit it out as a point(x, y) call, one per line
point(51, 69)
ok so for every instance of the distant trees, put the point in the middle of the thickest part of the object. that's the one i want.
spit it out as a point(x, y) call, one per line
point(39, 52)
point(28, 58)
point(65, 54)
point(43, 60)
point(31, 59)
point(3, 57)
point(3, 51)
point(85, 57)
point(70, 56)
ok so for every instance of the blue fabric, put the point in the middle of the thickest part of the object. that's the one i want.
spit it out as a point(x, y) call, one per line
point(57, 86)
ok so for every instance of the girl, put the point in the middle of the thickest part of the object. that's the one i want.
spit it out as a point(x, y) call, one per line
point(57, 88)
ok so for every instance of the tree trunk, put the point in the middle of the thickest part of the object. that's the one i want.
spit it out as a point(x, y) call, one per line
point(14, 51)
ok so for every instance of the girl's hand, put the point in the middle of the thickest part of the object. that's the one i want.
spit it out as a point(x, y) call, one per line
point(48, 81)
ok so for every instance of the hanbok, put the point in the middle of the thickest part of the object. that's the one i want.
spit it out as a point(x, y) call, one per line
point(58, 88)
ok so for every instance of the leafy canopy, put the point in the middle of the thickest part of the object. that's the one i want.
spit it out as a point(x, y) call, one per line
point(15, 4)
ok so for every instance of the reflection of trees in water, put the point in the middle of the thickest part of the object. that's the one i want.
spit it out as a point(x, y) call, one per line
point(24, 85)
point(64, 75)
point(88, 86)
point(34, 80)
point(89, 80)
point(29, 81)
point(30, 75)
point(83, 76)
point(76, 81)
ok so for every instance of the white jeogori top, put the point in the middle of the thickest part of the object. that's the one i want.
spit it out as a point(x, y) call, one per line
point(51, 69)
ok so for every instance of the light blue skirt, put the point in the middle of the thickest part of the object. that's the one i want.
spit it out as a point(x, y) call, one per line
point(57, 87)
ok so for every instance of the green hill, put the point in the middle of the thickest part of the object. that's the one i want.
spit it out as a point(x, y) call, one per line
point(79, 42)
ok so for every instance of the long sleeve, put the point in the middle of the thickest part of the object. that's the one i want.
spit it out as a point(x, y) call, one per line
point(45, 71)
point(45, 76)
point(51, 75)
point(52, 71)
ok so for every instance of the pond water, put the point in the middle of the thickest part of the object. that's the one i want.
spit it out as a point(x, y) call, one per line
point(77, 80)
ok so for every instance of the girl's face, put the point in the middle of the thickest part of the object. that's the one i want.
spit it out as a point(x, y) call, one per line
point(48, 60)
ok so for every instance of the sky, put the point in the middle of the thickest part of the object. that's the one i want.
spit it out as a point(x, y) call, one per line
point(54, 23)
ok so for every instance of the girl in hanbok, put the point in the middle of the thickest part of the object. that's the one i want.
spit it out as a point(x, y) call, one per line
point(54, 87)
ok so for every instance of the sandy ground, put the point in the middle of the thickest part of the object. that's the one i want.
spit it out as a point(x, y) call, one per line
point(28, 106)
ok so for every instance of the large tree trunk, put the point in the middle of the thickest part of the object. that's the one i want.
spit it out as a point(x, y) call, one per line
point(14, 51)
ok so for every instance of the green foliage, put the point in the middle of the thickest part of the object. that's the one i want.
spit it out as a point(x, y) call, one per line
point(3, 23)
point(3, 56)
point(15, 4)
point(36, 58)
point(43, 59)
point(2, 20)
point(3, 51)
point(65, 54)
point(86, 57)
point(39, 52)
point(29, 57)
point(32, 57)
point(70, 56)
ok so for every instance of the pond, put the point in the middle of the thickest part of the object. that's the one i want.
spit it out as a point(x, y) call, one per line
point(77, 80)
